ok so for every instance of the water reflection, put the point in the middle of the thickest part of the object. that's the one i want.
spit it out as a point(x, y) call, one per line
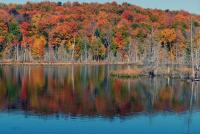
point(90, 91)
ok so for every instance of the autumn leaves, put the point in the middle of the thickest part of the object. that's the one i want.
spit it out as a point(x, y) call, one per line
point(111, 32)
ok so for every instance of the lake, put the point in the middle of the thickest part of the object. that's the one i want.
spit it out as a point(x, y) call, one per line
point(78, 99)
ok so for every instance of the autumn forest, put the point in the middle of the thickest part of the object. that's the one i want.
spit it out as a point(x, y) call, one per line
point(92, 32)
point(99, 67)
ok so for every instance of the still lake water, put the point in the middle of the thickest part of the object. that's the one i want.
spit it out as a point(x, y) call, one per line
point(85, 99)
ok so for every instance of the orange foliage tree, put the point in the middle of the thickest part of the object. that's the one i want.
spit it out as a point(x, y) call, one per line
point(167, 38)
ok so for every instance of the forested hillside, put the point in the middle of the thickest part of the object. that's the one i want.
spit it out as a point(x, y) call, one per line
point(92, 32)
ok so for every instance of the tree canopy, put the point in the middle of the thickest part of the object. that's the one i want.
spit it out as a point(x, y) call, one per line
point(103, 30)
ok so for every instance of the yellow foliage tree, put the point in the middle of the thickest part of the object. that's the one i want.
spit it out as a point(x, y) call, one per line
point(38, 46)
point(197, 40)
point(3, 31)
point(167, 38)
point(36, 22)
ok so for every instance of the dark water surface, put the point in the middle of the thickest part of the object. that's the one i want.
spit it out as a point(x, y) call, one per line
point(85, 99)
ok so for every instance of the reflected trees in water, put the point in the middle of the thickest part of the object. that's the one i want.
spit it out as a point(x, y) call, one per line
point(90, 91)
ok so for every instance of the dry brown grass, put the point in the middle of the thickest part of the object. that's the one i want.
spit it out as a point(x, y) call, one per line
point(128, 72)
point(184, 70)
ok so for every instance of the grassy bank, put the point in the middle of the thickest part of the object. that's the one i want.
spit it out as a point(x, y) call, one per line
point(182, 72)
point(128, 73)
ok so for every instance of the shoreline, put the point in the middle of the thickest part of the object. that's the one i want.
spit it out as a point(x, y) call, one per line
point(131, 73)
point(66, 63)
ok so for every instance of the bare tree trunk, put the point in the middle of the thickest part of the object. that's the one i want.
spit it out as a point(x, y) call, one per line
point(49, 54)
point(72, 77)
point(24, 55)
point(129, 52)
point(73, 49)
point(17, 53)
point(85, 48)
point(108, 53)
point(191, 45)
point(29, 52)
point(156, 53)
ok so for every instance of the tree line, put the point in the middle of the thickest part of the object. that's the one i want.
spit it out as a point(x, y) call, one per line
point(93, 32)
